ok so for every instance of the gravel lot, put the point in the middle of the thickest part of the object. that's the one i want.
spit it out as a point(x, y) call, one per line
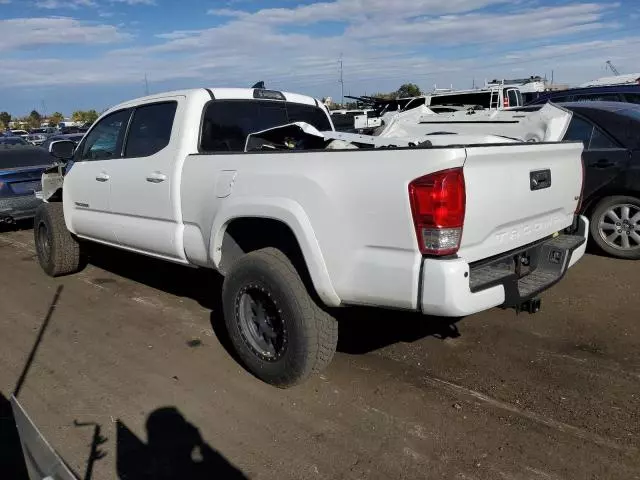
point(500, 396)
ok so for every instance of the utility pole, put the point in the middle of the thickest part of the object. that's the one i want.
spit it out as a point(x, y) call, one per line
point(146, 85)
point(341, 81)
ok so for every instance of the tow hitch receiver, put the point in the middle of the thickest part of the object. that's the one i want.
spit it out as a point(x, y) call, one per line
point(530, 306)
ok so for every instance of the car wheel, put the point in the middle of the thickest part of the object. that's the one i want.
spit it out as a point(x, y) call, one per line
point(615, 226)
point(278, 330)
point(58, 251)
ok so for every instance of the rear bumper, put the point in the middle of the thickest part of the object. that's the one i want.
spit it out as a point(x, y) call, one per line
point(454, 288)
point(18, 208)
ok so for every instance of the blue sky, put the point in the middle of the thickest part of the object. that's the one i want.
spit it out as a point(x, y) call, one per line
point(78, 54)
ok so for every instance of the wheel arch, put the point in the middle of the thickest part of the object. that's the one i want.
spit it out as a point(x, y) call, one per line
point(279, 223)
point(592, 203)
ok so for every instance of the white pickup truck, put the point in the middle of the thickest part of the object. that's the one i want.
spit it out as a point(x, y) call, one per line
point(298, 229)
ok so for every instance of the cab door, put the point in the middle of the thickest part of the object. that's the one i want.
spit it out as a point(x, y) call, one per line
point(604, 160)
point(145, 182)
point(87, 184)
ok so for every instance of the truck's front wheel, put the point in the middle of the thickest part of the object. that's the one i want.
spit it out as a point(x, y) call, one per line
point(279, 332)
point(58, 251)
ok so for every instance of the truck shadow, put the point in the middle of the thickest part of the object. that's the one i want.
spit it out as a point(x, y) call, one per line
point(361, 330)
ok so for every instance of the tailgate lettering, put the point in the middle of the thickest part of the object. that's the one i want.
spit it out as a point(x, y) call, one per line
point(522, 231)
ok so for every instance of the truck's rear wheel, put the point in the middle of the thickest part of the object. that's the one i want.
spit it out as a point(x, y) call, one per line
point(278, 330)
point(58, 251)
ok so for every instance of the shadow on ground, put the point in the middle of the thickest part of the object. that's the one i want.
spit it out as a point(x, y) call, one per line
point(362, 330)
point(174, 450)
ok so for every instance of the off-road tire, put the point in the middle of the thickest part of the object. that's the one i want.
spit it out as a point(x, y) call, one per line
point(312, 334)
point(62, 254)
point(600, 209)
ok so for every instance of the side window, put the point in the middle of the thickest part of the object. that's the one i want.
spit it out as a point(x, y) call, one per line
point(227, 123)
point(105, 139)
point(150, 129)
point(599, 140)
point(512, 95)
point(579, 130)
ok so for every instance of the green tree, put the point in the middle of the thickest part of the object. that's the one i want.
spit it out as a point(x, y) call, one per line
point(77, 116)
point(91, 116)
point(55, 118)
point(82, 116)
point(5, 118)
point(408, 90)
point(35, 119)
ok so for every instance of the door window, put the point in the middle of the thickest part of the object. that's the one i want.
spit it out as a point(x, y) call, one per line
point(104, 141)
point(579, 130)
point(150, 129)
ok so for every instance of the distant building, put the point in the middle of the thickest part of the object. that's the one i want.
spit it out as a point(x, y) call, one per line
point(628, 79)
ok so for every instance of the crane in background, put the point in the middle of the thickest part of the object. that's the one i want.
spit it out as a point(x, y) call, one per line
point(613, 68)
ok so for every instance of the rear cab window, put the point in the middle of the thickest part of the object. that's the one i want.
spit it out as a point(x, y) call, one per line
point(150, 129)
point(227, 123)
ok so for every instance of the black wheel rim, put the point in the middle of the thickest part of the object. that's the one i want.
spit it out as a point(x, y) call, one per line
point(261, 324)
point(44, 246)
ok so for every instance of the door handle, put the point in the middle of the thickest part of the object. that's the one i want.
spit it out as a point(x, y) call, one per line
point(156, 177)
point(603, 163)
point(103, 177)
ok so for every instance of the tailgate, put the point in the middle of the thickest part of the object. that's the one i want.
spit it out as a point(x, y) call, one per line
point(510, 200)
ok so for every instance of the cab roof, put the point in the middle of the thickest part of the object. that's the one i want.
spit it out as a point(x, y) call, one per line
point(222, 94)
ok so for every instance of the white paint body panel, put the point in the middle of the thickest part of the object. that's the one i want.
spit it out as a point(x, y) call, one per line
point(349, 210)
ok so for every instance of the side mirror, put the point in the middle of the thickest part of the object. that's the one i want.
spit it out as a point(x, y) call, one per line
point(62, 149)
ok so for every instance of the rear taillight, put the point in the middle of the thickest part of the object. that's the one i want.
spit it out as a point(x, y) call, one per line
point(438, 206)
point(579, 206)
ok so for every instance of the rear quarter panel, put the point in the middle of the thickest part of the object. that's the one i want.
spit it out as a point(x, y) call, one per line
point(350, 209)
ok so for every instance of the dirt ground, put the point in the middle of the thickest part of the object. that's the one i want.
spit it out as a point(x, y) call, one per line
point(131, 345)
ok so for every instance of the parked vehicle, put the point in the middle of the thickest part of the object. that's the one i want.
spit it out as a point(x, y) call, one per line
point(21, 168)
point(244, 182)
point(611, 93)
point(36, 138)
point(13, 140)
point(495, 97)
point(355, 120)
point(19, 133)
point(530, 87)
point(610, 132)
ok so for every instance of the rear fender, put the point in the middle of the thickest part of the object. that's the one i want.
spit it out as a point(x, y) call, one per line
point(291, 214)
